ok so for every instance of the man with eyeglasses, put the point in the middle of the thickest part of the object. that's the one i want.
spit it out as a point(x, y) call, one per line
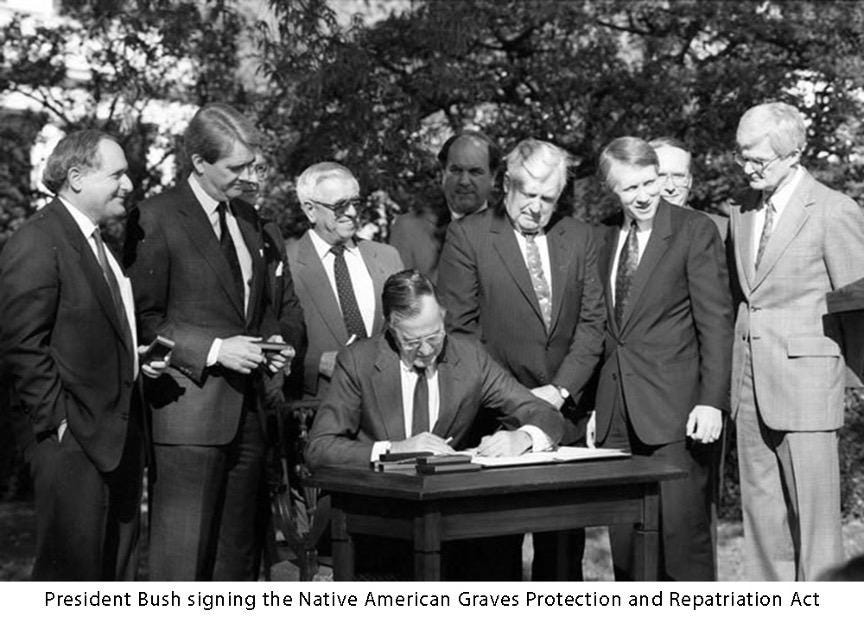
point(414, 388)
point(676, 178)
point(338, 277)
point(792, 240)
point(523, 280)
point(194, 254)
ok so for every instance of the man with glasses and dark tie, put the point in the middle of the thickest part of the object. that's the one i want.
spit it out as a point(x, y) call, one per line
point(338, 277)
point(792, 240)
point(195, 255)
point(523, 280)
point(664, 382)
point(414, 388)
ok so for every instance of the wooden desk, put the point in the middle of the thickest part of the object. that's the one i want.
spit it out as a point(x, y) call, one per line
point(428, 510)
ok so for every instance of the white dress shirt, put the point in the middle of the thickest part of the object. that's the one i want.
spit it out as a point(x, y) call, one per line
point(361, 280)
point(779, 199)
point(543, 249)
point(643, 233)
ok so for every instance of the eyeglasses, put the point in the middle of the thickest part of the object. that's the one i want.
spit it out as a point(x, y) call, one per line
point(758, 166)
point(341, 207)
point(261, 170)
point(412, 345)
point(679, 180)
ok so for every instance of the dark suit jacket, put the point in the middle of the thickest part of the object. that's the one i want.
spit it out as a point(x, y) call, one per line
point(486, 288)
point(61, 338)
point(418, 238)
point(184, 291)
point(364, 403)
point(325, 328)
point(673, 349)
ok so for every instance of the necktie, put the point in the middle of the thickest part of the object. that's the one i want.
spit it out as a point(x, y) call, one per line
point(628, 262)
point(345, 290)
point(420, 419)
point(113, 287)
point(766, 231)
point(538, 279)
point(229, 251)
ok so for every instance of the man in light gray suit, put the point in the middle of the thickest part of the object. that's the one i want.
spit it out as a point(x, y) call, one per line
point(338, 278)
point(792, 240)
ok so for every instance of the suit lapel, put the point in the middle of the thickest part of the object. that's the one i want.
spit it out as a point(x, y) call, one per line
point(658, 242)
point(378, 275)
point(90, 268)
point(504, 241)
point(607, 260)
point(200, 233)
point(311, 273)
point(251, 233)
point(744, 239)
point(791, 221)
point(449, 378)
point(560, 263)
point(387, 391)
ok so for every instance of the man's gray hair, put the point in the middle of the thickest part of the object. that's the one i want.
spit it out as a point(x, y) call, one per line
point(538, 160)
point(781, 123)
point(315, 174)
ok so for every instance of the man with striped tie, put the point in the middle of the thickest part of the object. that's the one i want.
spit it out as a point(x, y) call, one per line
point(663, 384)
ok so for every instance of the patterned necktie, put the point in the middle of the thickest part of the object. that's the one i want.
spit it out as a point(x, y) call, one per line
point(766, 232)
point(420, 418)
point(229, 251)
point(538, 279)
point(628, 262)
point(113, 287)
point(345, 290)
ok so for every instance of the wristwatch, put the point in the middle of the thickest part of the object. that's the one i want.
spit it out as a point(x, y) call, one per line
point(565, 394)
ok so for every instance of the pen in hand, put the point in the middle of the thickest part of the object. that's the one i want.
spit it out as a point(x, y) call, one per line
point(351, 339)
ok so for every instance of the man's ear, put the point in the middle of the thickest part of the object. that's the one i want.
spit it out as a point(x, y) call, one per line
point(197, 163)
point(309, 211)
point(75, 179)
point(506, 183)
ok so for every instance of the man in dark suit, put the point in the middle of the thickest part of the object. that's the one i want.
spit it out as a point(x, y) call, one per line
point(524, 282)
point(67, 337)
point(664, 383)
point(469, 161)
point(338, 278)
point(417, 389)
point(195, 254)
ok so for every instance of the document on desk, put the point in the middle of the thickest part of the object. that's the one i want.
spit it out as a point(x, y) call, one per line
point(562, 455)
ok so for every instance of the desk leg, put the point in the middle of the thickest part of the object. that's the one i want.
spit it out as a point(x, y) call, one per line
point(343, 546)
point(647, 541)
point(427, 547)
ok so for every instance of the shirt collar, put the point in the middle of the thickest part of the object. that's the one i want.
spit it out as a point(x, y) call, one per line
point(84, 222)
point(322, 247)
point(207, 202)
point(780, 198)
point(455, 216)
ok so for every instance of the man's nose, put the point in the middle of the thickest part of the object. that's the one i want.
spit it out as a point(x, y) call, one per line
point(125, 183)
point(425, 348)
point(248, 174)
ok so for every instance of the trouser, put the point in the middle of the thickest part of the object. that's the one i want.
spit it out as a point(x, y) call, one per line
point(87, 521)
point(686, 544)
point(790, 495)
point(204, 503)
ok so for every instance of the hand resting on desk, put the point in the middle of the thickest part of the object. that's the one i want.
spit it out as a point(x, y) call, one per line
point(425, 441)
point(505, 444)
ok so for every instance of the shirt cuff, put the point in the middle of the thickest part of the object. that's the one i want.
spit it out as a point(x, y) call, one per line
point(378, 448)
point(213, 355)
point(540, 441)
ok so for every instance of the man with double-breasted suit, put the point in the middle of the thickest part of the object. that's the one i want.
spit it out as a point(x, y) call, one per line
point(524, 282)
point(67, 337)
point(196, 257)
point(792, 240)
point(338, 278)
point(663, 384)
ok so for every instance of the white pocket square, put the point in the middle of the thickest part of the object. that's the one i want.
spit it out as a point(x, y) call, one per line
point(279, 269)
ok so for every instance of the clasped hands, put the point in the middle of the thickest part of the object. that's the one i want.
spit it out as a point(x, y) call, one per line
point(500, 444)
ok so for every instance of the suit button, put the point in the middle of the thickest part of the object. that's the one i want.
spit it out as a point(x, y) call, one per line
point(127, 383)
point(614, 377)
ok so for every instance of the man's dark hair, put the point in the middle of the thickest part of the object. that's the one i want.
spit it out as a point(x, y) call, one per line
point(214, 129)
point(402, 293)
point(630, 150)
point(493, 151)
point(79, 149)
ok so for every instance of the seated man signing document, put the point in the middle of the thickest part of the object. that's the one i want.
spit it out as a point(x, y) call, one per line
point(413, 388)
